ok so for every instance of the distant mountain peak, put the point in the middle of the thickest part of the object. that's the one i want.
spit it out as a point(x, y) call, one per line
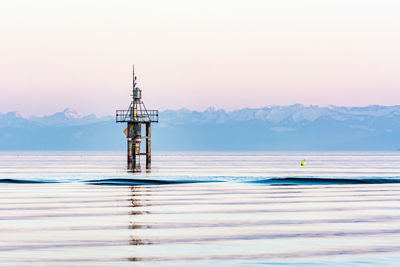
point(71, 113)
point(14, 114)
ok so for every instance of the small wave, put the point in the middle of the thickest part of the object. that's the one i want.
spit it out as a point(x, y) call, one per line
point(137, 182)
point(319, 181)
point(19, 181)
point(260, 180)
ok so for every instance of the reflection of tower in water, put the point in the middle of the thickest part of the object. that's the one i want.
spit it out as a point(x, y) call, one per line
point(138, 203)
point(136, 116)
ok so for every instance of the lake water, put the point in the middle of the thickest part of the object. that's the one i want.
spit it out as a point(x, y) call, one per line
point(200, 209)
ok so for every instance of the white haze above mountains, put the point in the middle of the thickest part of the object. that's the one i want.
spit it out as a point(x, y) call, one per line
point(294, 127)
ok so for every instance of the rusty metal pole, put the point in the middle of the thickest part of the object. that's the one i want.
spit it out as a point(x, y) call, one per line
point(131, 146)
point(148, 146)
point(137, 140)
point(135, 163)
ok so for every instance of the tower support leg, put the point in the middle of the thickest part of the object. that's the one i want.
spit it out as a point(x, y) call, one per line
point(131, 158)
point(136, 149)
point(148, 146)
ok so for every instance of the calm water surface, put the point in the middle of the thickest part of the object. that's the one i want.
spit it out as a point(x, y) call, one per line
point(200, 209)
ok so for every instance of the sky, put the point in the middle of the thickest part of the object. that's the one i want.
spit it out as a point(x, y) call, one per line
point(196, 54)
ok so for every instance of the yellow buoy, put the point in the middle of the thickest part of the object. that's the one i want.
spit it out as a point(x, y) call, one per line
point(303, 163)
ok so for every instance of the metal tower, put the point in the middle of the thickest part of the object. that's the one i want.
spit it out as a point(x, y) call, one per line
point(136, 116)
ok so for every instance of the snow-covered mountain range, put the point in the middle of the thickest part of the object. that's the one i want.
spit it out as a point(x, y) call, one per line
point(279, 114)
point(294, 127)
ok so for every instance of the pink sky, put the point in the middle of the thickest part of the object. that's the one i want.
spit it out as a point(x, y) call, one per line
point(196, 54)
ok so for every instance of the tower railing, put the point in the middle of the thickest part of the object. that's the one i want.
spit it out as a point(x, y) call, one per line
point(140, 116)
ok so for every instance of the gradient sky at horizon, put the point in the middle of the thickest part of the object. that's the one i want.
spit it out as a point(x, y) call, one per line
point(196, 54)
